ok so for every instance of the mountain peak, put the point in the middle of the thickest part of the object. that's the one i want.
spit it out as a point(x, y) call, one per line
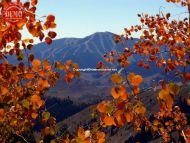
point(103, 33)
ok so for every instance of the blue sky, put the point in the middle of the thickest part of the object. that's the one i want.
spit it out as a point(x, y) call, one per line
point(79, 18)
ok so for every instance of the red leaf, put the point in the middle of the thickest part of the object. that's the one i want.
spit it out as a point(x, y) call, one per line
point(48, 40)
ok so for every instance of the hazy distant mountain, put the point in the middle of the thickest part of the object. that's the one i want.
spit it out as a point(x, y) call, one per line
point(85, 51)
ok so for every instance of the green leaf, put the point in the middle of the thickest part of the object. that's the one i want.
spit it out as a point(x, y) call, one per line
point(25, 103)
point(46, 115)
point(109, 109)
point(20, 57)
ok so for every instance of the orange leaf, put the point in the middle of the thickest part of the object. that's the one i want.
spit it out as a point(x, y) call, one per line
point(109, 121)
point(46, 65)
point(120, 117)
point(81, 133)
point(2, 112)
point(119, 92)
point(128, 116)
point(29, 75)
point(69, 62)
point(136, 80)
point(36, 100)
point(42, 83)
point(36, 63)
point(47, 130)
point(34, 115)
point(164, 95)
point(4, 90)
point(188, 101)
point(130, 76)
point(101, 137)
point(34, 2)
point(116, 78)
point(136, 90)
point(187, 132)
point(102, 107)
point(69, 76)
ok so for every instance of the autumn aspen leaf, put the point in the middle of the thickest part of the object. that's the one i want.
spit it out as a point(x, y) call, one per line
point(52, 34)
point(117, 79)
point(36, 100)
point(48, 40)
point(120, 118)
point(43, 84)
point(46, 65)
point(119, 92)
point(100, 137)
point(69, 62)
point(69, 76)
point(140, 109)
point(136, 90)
point(4, 90)
point(81, 133)
point(34, 115)
point(117, 39)
point(2, 111)
point(187, 76)
point(36, 63)
point(130, 76)
point(34, 2)
point(135, 80)
point(109, 121)
point(50, 18)
point(101, 107)
point(46, 115)
point(188, 101)
point(128, 116)
point(31, 57)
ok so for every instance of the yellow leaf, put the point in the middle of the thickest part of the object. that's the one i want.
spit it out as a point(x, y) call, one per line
point(140, 109)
